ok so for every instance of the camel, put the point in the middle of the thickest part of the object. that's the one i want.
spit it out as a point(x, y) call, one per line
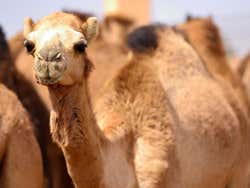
point(161, 121)
point(111, 56)
point(20, 155)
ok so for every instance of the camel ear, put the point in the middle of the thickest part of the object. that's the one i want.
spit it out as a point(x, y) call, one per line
point(91, 28)
point(28, 26)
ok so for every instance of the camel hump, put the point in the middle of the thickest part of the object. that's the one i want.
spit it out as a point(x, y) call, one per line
point(143, 39)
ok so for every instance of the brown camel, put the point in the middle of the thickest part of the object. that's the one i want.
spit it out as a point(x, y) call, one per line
point(162, 121)
point(20, 156)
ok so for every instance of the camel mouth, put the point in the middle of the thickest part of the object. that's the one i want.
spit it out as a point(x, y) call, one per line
point(48, 80)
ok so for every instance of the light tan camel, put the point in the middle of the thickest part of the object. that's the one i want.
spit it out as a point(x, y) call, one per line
point(108, 55)
point(162, 121)
point(20, 156)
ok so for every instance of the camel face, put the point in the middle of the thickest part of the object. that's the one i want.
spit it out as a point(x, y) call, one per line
point(58, 48)
point(56, 59)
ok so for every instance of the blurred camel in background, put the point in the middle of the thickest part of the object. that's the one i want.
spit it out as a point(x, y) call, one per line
point(20, 155)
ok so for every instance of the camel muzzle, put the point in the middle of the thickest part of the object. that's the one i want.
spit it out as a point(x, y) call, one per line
point(47, 72)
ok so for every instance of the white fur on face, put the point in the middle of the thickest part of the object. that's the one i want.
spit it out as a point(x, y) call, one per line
point(65, 35)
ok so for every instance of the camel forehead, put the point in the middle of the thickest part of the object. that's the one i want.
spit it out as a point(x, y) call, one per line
point(57, 35)
point(59, 18)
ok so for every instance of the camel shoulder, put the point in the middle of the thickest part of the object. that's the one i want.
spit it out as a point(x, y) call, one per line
point(134, 101)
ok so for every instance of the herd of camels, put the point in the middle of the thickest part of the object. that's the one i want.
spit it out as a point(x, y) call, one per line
point(111, 105)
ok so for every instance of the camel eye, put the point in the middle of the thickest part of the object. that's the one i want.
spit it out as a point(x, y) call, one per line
point(29, 45)
point(80, 46)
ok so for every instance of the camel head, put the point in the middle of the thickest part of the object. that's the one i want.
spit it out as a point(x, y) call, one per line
point(58, 42)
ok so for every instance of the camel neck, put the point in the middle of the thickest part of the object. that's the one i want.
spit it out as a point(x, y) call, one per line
point(74, 128)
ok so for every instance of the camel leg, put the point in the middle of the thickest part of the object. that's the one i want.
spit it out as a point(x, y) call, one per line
point(152, 162)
